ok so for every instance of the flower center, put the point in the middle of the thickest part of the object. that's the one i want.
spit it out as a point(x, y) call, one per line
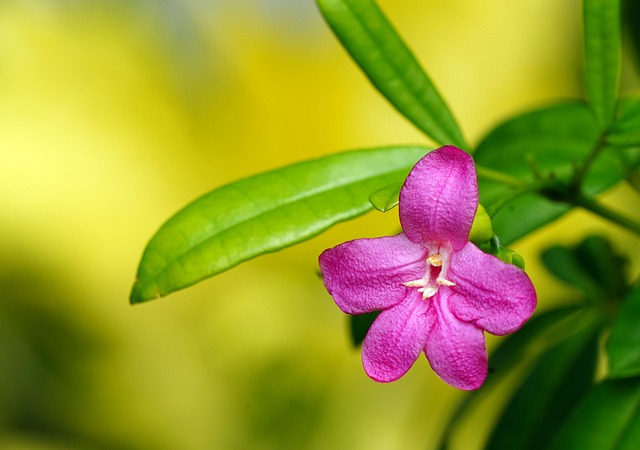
point(437, 262)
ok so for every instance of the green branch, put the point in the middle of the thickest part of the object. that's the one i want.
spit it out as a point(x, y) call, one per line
point(590, 204)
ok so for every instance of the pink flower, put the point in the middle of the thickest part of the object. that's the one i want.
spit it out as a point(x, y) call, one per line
point(437, 291)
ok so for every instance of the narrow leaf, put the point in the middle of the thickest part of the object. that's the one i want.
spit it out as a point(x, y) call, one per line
point(505, 356)
point(385, 59)
point(602, 56)
point(265, 213)
point(607, 418)
point(559, 379)
point(623, 345)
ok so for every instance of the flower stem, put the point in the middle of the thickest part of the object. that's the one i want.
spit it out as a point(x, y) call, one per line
point(590, 204)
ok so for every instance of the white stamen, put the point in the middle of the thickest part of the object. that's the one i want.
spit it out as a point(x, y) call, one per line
point(439, 256)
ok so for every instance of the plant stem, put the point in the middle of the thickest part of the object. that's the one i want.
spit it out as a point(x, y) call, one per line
point(581, 172)
point(496, 175)
point(591, 205)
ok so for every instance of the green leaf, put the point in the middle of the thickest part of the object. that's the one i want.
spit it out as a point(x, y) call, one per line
point(602, 56)
point(593, 266)
point(605, 266)
point(549, 141)
point(623, 345)
point(376, 47)
point(631, 20)
point(608, 418)
point(386, 198)
point(505, 356)
point(625, 131)
point(562, 262)
point(359, 326)
point(558, 380)
point(265, 213)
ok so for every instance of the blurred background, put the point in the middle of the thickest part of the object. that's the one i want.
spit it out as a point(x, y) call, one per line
point(114, 114)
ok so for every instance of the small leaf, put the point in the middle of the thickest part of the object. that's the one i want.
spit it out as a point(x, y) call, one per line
point(265, 213)
point(623, 345)
point(559, 379)
point(608, 417)
point(385, 59)
point(386, 198)
point(602, 56)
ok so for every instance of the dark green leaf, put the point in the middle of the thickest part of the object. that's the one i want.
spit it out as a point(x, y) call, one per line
point(593, 266)
point(359, 326)
point(550, 141)
point(505, 356)
point(559, 379)
point(605, 266)
point(385, 59)
point(608, 418)
point(623, 345)
point(564, 264)
point(602, 56)
point(631, 27)
point(265, 213)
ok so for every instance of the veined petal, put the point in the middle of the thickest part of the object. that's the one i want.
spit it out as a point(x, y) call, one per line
point(439, 198)
point(456, 350)
point(396, 338)
point(368, 274)
point(495, 296)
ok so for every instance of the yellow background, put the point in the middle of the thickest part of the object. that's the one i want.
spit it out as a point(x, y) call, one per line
point(115, 114)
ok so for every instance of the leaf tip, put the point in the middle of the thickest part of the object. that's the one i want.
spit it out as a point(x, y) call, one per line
point(141, 293)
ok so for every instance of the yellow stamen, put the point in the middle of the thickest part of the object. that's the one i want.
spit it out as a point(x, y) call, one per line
point(435, 260)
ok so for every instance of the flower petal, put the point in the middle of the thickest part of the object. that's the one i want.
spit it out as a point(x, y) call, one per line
point(396, 338)
point(495, 296)
point(439, 198)
point(368, 274)
point(456, 350)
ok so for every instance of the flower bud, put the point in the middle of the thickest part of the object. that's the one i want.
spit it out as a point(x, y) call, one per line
point(481, 230)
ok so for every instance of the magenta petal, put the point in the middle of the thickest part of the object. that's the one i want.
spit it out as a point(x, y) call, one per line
point(396, 338)
point(495, 296)
point(439, 198)
point(456, 350)
point(368, 274)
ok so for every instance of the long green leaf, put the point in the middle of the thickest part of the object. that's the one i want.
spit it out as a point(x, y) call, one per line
point(385, 59)
point(602, 56)
point(623, 345)
point(559, 379)
point(265, 213)
point(608, 418)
